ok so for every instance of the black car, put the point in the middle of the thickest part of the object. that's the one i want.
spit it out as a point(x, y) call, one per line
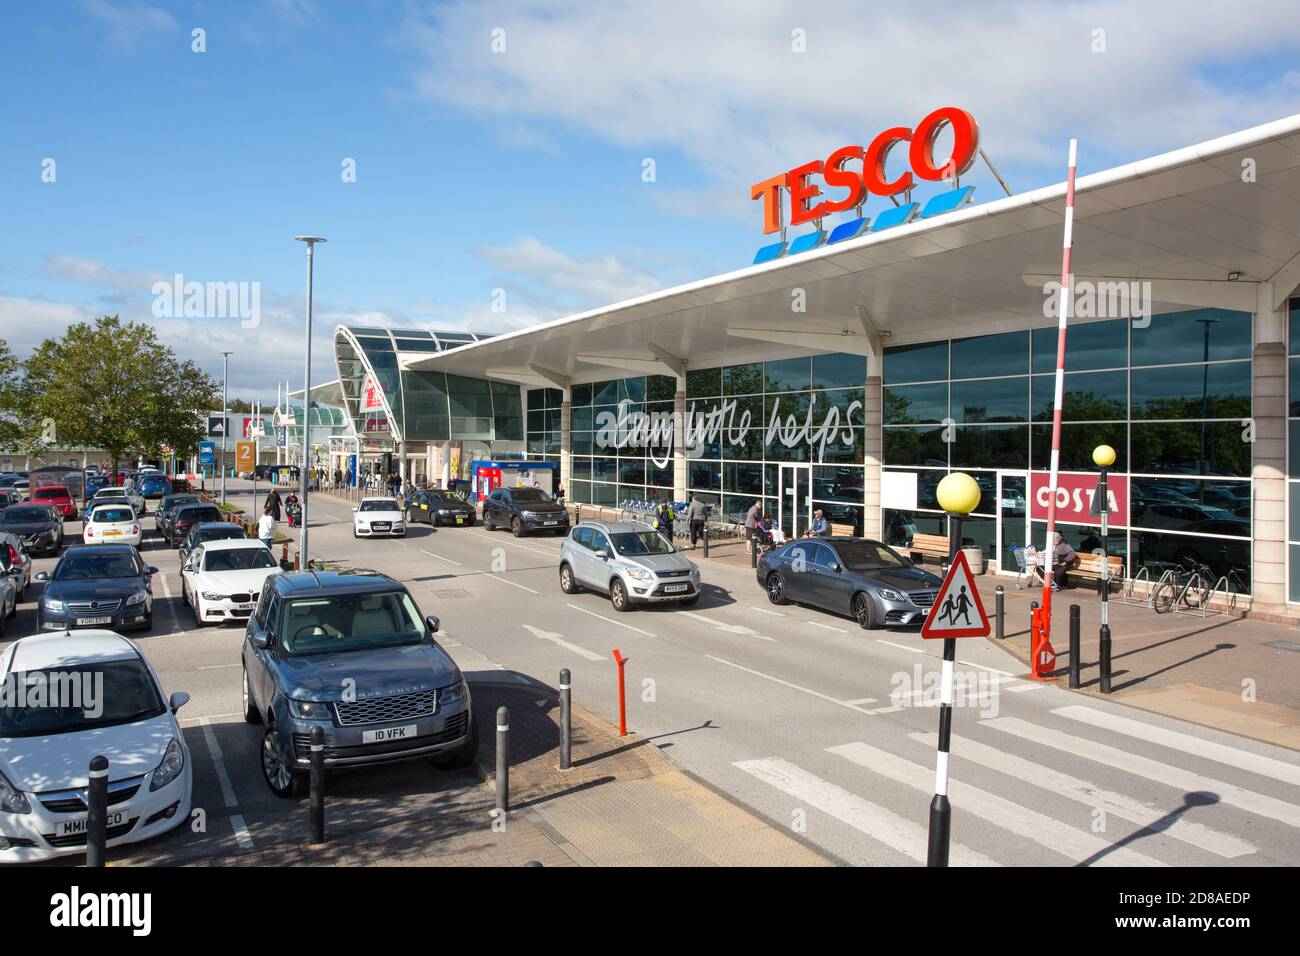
point(437, 507)
point(857, 577)
point(162, 515)
point(523, 510)
point(209, 531)
point(97, 585)
point(186, 517)
point(38, 527)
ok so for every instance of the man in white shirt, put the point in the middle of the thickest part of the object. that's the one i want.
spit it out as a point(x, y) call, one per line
point(266, 528)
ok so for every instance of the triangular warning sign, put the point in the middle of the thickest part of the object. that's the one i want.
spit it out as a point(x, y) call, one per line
point(957, 610)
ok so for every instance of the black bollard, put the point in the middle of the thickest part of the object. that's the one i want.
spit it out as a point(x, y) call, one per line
point(97, 819)
point(999, 611)
point(317, 785)
point(1103, 657)
point(705, 535)
point(566, 718)
point(1074, 646)
point(503, 760)
point(753, 552)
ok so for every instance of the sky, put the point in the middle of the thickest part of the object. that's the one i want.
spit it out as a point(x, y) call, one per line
point(487, 165)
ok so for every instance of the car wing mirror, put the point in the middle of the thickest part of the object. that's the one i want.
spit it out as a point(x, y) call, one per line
point(835, 566)
point(150, 570)
point(42, 575)
point(259, 640)
point(602, 554)
point(433, 623)
point(179, 700)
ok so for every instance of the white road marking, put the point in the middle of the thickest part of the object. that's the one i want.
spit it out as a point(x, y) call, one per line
point(610, 620)
point(785, 683)
point(729, 628)
point(171, 607)
point(241, 832)
point(1193, 746)
point(557, 639)
point(1032, 826)
point(516, 584)
point(1153, 770)
point(875, 821)
point(1019, 687)
point(441, 558)
point(214, 750)
point(860, 701)
point(216, 667)
point(914, 650)
point(763, 610)
point(200, 720)
point(1091, 795)
point(825, 627)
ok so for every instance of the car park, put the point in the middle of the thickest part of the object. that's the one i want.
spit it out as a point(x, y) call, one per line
point(167, 506)
point(628, 560)
point(22, 488)
point(8, 598)
point(186, 517)
point(119, 491)
point(437, 507)
point(9, 497)
point(378, 516)
point(97, 585)
point(57, 497)
point(17, 562)
point(36, 526)
point(221, 580)
point(105, 499)
point(406, 698)
point(209, 531)
point(46, 747)
point(154, 486)
point(855, 577)
point(112, 524)
point(524, 510)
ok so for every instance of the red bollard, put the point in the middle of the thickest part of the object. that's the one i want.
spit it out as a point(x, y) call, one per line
point(620, 660)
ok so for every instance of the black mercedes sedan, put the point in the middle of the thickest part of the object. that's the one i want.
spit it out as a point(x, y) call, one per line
point(38, 527)
point(97, 585)
point(437, 507)
point(856, 577)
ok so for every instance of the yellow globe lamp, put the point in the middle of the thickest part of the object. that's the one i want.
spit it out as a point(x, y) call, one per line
point(1103, 456)
point(958, 493)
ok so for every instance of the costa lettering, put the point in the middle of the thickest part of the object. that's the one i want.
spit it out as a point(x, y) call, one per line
point(806, 198)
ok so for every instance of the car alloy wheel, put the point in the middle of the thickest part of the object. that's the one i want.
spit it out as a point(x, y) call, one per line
point(775, 589)
point(517, 527)
point(277, 770)
point(864, 611)
point(618, 596)
point(567, 584)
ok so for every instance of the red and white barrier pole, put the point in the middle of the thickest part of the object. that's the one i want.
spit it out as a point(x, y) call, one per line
point(1042, 657)
point(620, 660)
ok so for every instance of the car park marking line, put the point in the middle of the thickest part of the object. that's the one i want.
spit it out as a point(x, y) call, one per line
point(763, 610)
point(171, 605)
point(216, 667)
point(441, 558)
point(728, 628)
point(785, 683)
point(200, 720)
point(610, 620)
point(1028, 824)
point(558, 639)
point(1021, 686)
point(826, 627)
point(241, 831)
point(904, 647)
point(884, 826)
point(860, 701)
point(514, 584)
point(218, 762)
point(1056, 783)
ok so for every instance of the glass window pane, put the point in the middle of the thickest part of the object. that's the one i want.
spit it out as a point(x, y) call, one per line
point(1087, 397)
point(1293, 496)
point(1293, 331)
point(1164, 550)
point(660, 388)
point(1188, 337)
point(916, 363)
point(915, 446)
point(631, 471)
point(741, 478)
point(991, 446)
point(1191, 448)
point(915, 404)
point(900, 526)
point(703, 382)
point(1190, 504)
point(1087, 344)
point(1293, 383)
point(841, 483)
point(990, 400)
point(605, 393)
point(985, 355)
point(582, 395)
point(788, 375)
point(838, 370)
point(631, 388)
point(743, 379)
point(1193, 391)
point(1077, 444)
point(1085, 539)
point(1293, 590)
point(705, 476)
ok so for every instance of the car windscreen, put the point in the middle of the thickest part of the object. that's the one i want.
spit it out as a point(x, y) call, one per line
point(110, 515)
point(116, 490)
point(529, 495)
point(198, 514)
point(174, 503)
point(226, 532)
point(869, 556)
point(24, 515)
point(78, 698)
point(387, 504)
point(47, 494)
point(351, 622)
point(238, 559)
point(631, 543)
point(449, 500)
point(84, 567)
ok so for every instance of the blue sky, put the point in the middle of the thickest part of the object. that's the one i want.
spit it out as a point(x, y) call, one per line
point(521, 169)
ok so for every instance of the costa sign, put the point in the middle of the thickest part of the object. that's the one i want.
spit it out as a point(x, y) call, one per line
point(1074, 494)
point(806, 202)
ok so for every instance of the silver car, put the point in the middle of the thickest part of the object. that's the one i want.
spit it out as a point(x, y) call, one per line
point(629, 561)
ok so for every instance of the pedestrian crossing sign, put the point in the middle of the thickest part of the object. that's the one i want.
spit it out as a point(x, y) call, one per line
point(957, 610)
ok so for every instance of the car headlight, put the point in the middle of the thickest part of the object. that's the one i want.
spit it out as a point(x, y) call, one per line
point(213, 596)
point(138, 597)
point(173, 762)
point(639, 574)
point(52, 604)
point(12, 800)
point(889, 595)
point(455, 694)
point(309, 709)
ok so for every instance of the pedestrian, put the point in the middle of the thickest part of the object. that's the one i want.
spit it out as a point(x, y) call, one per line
point(559, 493)
point(820, 527)
point(664, 521)
point(266, 528)
point(273, 504)
point(1064, 560)
point(695, 516)
point(751, 522)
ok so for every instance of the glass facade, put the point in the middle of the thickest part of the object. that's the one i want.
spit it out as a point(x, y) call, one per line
point(1293, 452)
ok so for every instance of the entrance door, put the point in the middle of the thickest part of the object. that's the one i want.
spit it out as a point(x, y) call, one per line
point(1013, 517)
point(794, 506)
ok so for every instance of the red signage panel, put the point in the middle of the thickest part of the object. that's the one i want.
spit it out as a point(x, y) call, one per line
point(1074, 493)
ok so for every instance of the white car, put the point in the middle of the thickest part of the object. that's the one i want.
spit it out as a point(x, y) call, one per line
point(378, 516)
point(117, 491)
point(221, 579)
point(106, 700)
point(112, 524)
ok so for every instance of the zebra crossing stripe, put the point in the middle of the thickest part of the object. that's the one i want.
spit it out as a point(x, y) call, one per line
point(875, 821)
point(1194, 746)
point(1089, 793)
point(1152, 770)
point(1050, 833)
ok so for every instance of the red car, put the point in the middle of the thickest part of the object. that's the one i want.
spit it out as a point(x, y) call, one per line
point(56, 496)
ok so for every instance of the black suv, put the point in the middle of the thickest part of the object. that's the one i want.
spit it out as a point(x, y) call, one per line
point(523, 510)
point(186, 517)
point(438, 507)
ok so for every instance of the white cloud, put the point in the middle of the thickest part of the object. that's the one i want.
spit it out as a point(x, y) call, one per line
point(94, 272)
point(551, 280)
point(130, 25)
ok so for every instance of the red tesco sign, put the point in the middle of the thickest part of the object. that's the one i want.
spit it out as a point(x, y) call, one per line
point(1074, 494)
point(805, 204)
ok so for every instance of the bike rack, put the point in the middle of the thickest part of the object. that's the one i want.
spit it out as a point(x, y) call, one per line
point(1129, 595)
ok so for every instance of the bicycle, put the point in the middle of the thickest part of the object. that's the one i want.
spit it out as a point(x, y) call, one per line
point(1194, 587)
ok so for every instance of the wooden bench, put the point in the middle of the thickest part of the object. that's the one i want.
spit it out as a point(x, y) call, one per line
point(1090, 567)
point(929, 546)
point(842, 530)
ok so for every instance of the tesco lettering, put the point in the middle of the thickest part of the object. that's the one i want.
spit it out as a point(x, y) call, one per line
point(805, 202)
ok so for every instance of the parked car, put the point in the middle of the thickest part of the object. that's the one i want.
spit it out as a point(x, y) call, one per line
point(9, 480)
point(438, 507)
point(9, 497)
point(523, 510)
point(16, 562)
point(378, 516)
point(119, 491)
point(162, 515)
point(8, 597)
point(112, 524)
point(856, 577)
point(36, 526)
point(629, 561)
point(154, 486)
point(45, 750)
point(221, 580)
point(21, 486)
point(57, 497)
point(93, 503)
point(406, 698)
point(186, 517)
point(97, 585)
point(209, 531)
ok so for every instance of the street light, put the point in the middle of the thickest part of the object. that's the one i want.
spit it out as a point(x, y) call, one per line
point(225, 417)
point(306, 403)
point(1205, 386)
point(959, 495)
point(1103, 456)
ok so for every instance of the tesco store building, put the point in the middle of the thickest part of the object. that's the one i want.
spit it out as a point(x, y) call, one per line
point(862, 357)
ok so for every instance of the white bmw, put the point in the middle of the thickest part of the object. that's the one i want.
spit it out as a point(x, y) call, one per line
point(112, 524)
point(378, 516)
point(221, 579)
point(70, 698)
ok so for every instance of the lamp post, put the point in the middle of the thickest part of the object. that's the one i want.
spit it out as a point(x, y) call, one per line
point(225, 417)
point(1205, 387)
point(1104, 456)
point(306, 404)
point(958, 495)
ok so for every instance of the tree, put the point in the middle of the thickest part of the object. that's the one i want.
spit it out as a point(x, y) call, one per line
point(16, 429)
point(113, 385)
